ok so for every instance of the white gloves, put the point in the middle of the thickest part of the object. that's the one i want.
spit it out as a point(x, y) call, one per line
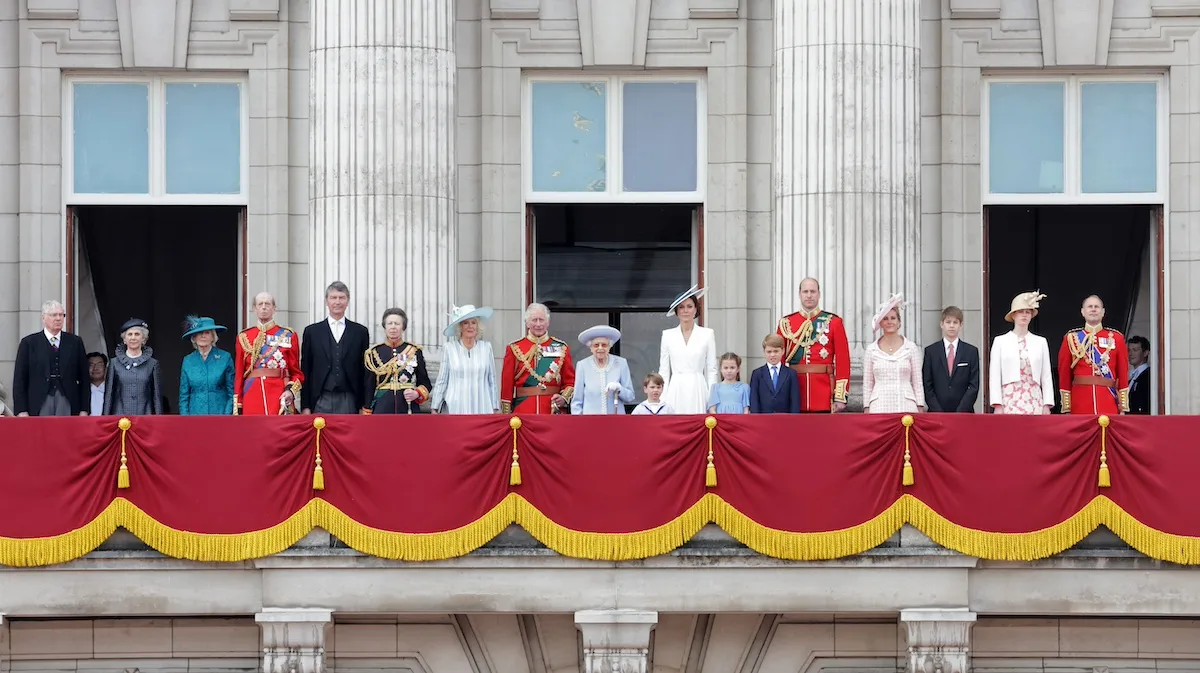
point(614, 387)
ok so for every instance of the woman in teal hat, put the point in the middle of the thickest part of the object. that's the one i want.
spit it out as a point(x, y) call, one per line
point(206, 380)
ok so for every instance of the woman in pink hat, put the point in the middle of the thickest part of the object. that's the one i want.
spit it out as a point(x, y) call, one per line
point(1019, 376)
point(892, 366)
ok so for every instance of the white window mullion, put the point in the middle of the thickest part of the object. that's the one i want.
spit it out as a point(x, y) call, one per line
point(613, 158)
point(1073, 135)
point(157, 138)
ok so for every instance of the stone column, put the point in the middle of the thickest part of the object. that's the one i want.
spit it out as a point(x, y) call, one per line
point(10, 188)
point(616, 641)
point(939, 640)
point(848, 157)
point(382, 161)
point(293, 639)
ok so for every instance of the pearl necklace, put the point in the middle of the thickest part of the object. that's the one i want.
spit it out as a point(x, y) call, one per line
point(604, 369)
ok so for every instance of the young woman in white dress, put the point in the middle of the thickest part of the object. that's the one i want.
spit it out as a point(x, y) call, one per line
point(687, 358)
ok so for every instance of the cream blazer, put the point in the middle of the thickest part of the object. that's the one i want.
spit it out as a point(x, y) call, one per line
point(1005, 366)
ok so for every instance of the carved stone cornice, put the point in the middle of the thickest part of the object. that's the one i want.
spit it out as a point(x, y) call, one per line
point(975, 9)
point(293, 640)
point(713, 9)
point(515, 9)
point(616, 641)
point(53, 9)
point(254, 10)
point(939, 639)
point(1174, 7)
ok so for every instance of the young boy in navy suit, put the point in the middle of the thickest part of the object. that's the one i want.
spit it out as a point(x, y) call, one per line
point(774, 387)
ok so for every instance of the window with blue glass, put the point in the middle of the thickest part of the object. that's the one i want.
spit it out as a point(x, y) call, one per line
point(1026, 133)
point(659, 132)
point(569, 136)
point(1119, 137)
point(111, 138)
point(203, 143)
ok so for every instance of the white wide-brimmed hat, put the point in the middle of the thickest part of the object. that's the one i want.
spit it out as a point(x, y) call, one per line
point(600, 331)
point(1025, 300)
point(894, 301)
point(465, 312)
point(695, 291)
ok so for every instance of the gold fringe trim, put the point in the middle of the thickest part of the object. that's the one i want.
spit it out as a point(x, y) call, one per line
point(414, 546)
point(814, 546)
point(614, 546)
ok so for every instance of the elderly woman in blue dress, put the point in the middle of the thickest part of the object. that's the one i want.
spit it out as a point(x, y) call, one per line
point(466, 381)
point(206, 378)
point(602, 380)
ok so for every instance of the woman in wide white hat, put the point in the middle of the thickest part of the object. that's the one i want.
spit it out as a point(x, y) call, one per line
point(892, 366)
point(687, 356)
point(466, 381)
point(602, 381)
point(1019, 376)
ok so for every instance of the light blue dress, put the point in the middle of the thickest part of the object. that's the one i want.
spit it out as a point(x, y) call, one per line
point(729, 398)
point(466, 381)
point(206, 384)
point(590, 382)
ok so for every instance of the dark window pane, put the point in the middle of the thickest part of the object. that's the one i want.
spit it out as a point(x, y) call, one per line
point(567, 326)
point(612, 256)
point(641, 334)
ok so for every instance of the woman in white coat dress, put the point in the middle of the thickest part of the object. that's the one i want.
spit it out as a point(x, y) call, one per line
point(687, 358)
point(1019, 381)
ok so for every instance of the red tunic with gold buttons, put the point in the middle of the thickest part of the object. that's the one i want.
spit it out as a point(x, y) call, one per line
point(1093, 371)
point(535, 369)
point(266, 363)
point(816, 348)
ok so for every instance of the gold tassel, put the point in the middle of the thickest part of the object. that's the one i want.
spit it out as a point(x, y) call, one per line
point(319, 472)
point(514, 472)
point(1105, 480)
point(123, 472)
point(907, 477)
point(710, 472)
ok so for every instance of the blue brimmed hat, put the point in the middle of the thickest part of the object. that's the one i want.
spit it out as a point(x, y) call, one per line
point(196, 324)
point(465, 312)
point(694, 291)
point(600, 331)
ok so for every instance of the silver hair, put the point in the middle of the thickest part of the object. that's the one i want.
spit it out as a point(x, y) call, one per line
point(337, 286)
point(536, 307)
point(145, 334)
point(478, 335)
point(216, 337)
point(51, 305)
point(266, 294)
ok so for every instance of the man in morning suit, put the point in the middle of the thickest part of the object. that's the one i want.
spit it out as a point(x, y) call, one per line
point(774, 387)
point(951, 368)
point(815, 347)
point(538, 376)
point(51, 373)
point(331, 358)
point(266, 365)
point(1093, 366)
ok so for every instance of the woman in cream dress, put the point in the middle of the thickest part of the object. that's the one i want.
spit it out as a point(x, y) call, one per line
point(892, 367)
point(1019, 376)
point(687, 358)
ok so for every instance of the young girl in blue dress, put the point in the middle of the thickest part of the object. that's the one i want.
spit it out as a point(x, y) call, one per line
point(730, 396)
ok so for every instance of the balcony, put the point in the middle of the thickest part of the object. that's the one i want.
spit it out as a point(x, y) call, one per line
point(607, 514)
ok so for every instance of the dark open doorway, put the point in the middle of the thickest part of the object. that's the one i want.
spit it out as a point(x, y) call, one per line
point(158, 263)
point(1068, 253)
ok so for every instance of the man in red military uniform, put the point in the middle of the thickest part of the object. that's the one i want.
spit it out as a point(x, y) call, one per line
point(1093, 366)
point(266, 366)
point(817, 349)
point(538, 376)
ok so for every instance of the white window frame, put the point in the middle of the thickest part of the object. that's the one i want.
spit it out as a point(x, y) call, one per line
point(157, 146)
point(1073, 193)
point(614, 129)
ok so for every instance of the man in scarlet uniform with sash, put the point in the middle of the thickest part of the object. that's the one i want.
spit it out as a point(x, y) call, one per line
point(815, 347)
point(1093, 366)
point(266, 366)
point(538, 376)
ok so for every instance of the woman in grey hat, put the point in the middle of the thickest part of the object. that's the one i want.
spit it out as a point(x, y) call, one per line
point(133, 387)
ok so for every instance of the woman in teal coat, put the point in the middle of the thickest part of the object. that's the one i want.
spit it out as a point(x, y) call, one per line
point(206, 380)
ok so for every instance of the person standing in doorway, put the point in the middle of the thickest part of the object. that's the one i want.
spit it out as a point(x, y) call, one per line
point(266, 365)
point(538, 376)
point(687, 359)
point(1139, 375)
point(332, 359)
point(97, 373)
point(206, 378)
point(815, 347)
point(1020, 380)
point(954, 387)
point(133, 386)
point(1093, 366)
point(51, 371)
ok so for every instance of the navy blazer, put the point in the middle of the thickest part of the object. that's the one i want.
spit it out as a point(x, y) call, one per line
point(947, 392)
point(783, 399)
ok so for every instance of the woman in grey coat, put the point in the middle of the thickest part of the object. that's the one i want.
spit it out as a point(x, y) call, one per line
point(133, 387)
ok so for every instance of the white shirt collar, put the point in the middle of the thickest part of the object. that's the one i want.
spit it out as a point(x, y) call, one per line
point(98, 386)
point(50, 336)
point(341, 321)
point(947, 344)
point(1137, 371)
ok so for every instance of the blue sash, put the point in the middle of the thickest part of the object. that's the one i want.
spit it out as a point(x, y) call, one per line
point(1098, 365)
